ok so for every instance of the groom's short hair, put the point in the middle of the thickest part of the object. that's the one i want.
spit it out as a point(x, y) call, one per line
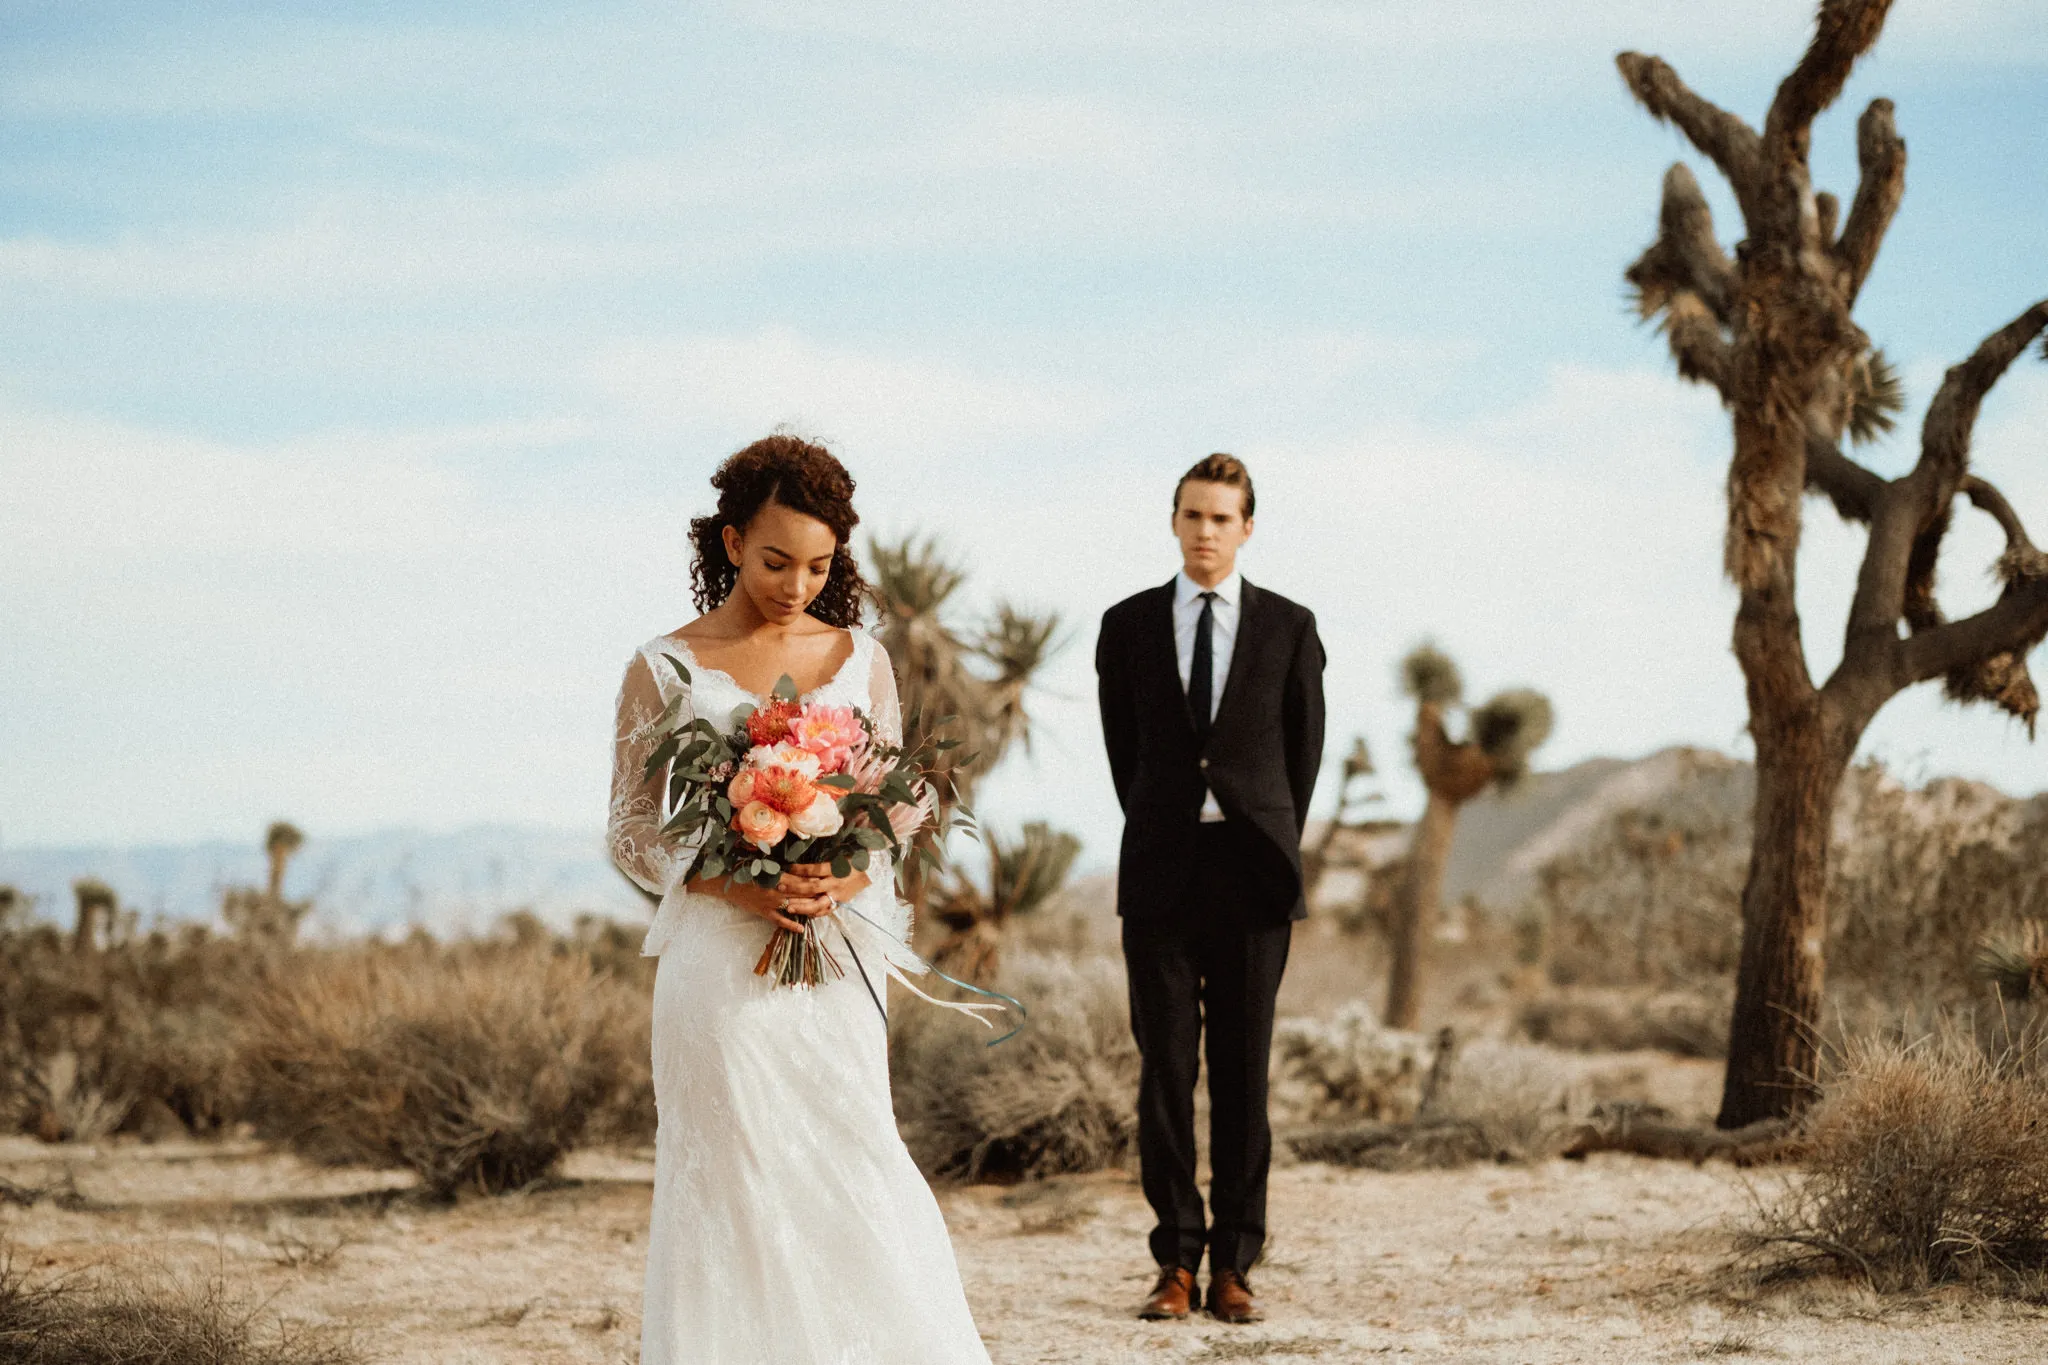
point(1218, 468)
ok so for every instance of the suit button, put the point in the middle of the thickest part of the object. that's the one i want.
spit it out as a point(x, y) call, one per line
point(1205, 763)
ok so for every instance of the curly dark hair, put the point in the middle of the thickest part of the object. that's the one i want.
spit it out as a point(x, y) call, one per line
point(802, 477)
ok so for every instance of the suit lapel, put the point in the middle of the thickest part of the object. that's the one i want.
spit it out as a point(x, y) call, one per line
point(1165, 653)
point(1252, 620)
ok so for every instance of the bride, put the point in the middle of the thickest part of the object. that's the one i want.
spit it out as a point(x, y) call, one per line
point(790, 1226)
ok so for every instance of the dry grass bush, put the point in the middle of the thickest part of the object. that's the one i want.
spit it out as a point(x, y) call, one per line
point(1346, 1067)
point(88, 1036)
point(105, 1319)
point(1500, 1102)
point(1591, 1019)
point(476, 1068)
point(1926, 1162)
point(1056, 1099)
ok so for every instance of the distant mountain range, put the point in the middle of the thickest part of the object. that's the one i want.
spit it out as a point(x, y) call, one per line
point(468, 878)
point(464, 879)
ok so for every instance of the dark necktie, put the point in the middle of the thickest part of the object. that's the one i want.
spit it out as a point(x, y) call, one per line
point(1202, 668)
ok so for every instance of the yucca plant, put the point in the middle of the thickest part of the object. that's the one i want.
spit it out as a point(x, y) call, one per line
point(972, 682)
point(1022, 875)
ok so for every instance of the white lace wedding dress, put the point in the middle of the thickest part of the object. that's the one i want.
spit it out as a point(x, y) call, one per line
point(790, 1226)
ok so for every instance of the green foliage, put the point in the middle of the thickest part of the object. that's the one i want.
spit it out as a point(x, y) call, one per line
point(1510, 727)
point(1429, 675)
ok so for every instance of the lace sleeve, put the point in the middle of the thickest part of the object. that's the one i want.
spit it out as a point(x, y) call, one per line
point(637, 812)
point(883, 703)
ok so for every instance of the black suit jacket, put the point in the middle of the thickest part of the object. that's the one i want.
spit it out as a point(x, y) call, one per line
point(1261, 758)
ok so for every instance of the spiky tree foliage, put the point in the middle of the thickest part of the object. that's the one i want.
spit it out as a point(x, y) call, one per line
point(1770, 329)
point(972, 681)
point(1500, 736)
point(1022, 875)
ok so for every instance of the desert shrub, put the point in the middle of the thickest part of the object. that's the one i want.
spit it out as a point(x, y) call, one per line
point(1346, 1067)
point(1499, 1102)
point(475, 1069)
point(1688, 1023)
point(105, 1319)
point(1926, 1162)
point(1651, 897)
point(1055, 1099)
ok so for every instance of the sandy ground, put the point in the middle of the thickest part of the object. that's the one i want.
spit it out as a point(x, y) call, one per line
point(1615, 1259)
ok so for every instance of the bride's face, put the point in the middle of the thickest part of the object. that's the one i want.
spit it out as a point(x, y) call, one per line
point(784, 558)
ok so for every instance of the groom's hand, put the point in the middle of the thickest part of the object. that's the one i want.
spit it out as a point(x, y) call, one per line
point(813, 890)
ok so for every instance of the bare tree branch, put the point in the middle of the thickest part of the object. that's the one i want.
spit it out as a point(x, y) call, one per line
point(2021, 559)
point(1726, 140)
point(1845, 31)
point(1945, 435)
point(1685, 255)
point(1984, 657)
point(1882, 154)
point(1854, 490)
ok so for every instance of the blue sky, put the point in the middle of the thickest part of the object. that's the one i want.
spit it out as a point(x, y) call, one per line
point(358, 372)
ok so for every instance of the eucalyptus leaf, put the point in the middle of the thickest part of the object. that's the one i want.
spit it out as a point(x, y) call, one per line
point(677, 665)
point(841, 866)
point(785, 688)
point(859, 858)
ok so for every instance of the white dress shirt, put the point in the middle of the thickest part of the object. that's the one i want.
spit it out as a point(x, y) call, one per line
point(1187, 613)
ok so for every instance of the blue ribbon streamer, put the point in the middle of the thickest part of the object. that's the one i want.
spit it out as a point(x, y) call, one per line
point(1023, 1015)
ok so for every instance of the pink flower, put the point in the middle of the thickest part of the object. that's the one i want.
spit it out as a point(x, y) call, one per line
point(833, 733)
point(760, 824)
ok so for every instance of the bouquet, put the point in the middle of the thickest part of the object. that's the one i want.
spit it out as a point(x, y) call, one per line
point(788, 783)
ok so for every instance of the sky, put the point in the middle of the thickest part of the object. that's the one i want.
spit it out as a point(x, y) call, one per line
point(360, 370)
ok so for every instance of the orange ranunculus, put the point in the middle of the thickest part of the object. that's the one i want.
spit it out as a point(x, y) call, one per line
point(760, 824)
point(741, 789)
point(786, 789)
point(770, 724)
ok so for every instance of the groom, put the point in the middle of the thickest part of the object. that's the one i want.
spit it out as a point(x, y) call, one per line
point(1212, 711)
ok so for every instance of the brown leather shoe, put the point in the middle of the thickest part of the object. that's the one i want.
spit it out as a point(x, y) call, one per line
point(1230, 1298)
point(1172, 1297)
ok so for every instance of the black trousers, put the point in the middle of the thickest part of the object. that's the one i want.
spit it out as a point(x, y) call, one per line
point(1209, 968)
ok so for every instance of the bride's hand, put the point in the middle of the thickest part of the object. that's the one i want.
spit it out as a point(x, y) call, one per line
point(773, 903)
point(813, 890)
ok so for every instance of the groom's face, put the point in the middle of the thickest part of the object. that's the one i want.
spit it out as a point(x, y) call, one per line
point(1210, 523)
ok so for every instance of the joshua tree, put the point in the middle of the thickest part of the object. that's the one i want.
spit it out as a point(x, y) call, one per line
point(96, 906)
point(266, 915)
point(1021, 877)
point(1771, 330)
point(974, 682)
point(279, 844)
point(1500, 736)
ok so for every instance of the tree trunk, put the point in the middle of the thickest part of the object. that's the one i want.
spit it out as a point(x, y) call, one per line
point(1420, 898)
point(1773, 1039)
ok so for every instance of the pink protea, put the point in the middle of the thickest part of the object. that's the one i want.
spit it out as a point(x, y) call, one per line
point(833, 733)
